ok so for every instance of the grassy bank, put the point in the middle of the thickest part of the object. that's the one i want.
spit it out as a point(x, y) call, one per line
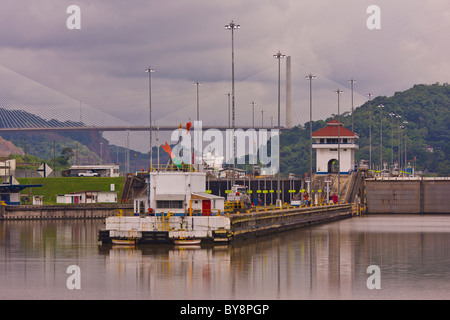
point(55, 186)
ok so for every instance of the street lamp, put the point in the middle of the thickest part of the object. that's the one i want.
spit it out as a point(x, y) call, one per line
point(399, 143)
point(310, 77)
point(370, 131)
point(352, 81)
point(400, 135)
point(279, 56)
point(406, 161)
point(150, 71)
point(229, 111)
point(232, 26)
point(392, 115)
point(339, 92)
point(198, 119)
point(381, 137)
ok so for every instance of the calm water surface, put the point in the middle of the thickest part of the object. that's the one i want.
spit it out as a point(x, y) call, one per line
point(322, 262)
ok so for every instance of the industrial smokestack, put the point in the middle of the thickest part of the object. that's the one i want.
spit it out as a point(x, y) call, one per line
point(288, 93)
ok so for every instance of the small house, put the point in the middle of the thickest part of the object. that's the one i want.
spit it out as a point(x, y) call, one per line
point(88, 197)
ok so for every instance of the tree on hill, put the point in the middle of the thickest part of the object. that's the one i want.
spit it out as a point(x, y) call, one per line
point(424, 108)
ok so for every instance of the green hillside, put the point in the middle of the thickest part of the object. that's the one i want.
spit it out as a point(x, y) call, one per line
point(426, 108)
point(55, 186)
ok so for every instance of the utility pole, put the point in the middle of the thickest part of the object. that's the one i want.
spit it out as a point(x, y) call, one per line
point(370, 131)
point(310, 77)
point(339, 92)
point(381, 137)
point(232, 26)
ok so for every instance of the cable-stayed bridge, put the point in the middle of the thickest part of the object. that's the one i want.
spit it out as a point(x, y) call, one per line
point(29, 106)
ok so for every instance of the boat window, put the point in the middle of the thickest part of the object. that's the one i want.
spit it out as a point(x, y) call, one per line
point(169, 204)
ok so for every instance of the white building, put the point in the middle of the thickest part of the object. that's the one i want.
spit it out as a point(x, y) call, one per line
point(179, 193)
point(8, 167)
point(88, 197)
point(326, 145)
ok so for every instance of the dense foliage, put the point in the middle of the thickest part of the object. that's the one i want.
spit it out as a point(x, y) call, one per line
point(425, 108)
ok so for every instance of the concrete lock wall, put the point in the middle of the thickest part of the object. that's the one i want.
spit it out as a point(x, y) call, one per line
point(436, 196)
point(408, 195)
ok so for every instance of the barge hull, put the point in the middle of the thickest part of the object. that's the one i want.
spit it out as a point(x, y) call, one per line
point(219, 229)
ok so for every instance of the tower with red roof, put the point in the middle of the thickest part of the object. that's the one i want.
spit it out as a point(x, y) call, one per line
point(325, 141)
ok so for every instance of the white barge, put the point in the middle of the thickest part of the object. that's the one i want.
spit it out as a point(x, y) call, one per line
point(178, 208)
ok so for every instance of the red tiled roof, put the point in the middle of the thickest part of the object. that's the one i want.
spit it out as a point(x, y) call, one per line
point(331, 130)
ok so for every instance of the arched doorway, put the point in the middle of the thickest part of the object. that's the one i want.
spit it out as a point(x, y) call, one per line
point(333, 166)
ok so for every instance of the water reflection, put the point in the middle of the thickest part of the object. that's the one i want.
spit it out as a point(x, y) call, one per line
point(322, 262)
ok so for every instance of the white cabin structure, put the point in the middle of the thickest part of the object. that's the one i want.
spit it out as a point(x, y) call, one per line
point(179, 192)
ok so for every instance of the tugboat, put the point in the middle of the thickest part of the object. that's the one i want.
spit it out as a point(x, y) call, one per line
point(179, 211)
point(174, 209)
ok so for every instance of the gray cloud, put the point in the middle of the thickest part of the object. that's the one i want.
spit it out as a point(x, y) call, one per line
point(103, 64)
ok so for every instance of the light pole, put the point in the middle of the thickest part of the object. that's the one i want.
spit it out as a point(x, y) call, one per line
point(399, 143)
point(279, 56)
point(262, 118)
point(339, 92)
point(370, 131)
point(352, 81)
point(150, 71)
point(232, 26)
point(392, 115)
point(381, 137)
point(229, 120)
point(406, 161)
point(310, 77)
point(198, 119)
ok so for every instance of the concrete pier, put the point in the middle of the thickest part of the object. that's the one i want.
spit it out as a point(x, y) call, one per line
point(265, 222)
point(44, 212)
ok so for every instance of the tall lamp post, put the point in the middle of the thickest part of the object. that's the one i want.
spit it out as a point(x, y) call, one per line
point(310, 77)
point(150, 71)
point(406, 161)
point(232, 26)
point(392, 115)
point(339, 92)
point(370, 131)
point(381, 137)
point(198, 119)
point(279, 56)
point(399, 143)
point(229, 111)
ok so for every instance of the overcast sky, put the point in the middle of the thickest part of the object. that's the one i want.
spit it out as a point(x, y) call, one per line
point(102, 64)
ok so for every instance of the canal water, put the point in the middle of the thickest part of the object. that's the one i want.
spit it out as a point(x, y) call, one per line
point(370, 257)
